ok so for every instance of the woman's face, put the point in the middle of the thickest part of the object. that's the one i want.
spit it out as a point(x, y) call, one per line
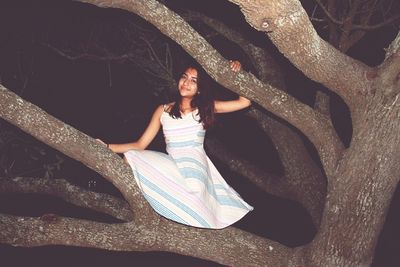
point(188, 83)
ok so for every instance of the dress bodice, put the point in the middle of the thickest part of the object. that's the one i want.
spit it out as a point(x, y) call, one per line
point(183, 132)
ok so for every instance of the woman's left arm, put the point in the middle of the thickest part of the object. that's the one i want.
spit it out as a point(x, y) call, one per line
point(232, 105)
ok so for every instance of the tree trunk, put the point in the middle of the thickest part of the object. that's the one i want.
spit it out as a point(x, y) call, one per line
point(359, 195)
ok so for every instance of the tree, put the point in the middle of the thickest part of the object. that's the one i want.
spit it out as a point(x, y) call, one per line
point(361, 177)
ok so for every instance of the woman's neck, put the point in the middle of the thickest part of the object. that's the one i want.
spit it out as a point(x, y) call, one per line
point(186, 103)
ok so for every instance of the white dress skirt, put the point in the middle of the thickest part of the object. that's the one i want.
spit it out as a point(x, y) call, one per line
point(184, 185)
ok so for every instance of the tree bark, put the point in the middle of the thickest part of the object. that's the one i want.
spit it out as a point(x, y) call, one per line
point(359, 196)
point(115, 207)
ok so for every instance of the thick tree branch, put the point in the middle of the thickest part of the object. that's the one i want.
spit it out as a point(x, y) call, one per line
point(233, 245)
point(75, 144)
point(288, 26)
point(32, 232)
point(266, 67)
point(315, 126)
point(73, 194)
point(55, 230)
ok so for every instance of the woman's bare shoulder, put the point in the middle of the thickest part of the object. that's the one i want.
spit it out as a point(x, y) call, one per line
point(167, 107)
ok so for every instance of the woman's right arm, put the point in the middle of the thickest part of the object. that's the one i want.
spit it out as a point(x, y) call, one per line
point(147, 136)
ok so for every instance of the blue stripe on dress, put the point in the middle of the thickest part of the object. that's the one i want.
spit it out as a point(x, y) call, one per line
point(160, 208)
point(191, 160)
point(191, 173)
point(228, 201)
point(184, 144)
point(173, 200)
point(181, 144)
point(188, 173)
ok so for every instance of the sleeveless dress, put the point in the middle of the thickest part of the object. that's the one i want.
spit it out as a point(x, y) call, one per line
point(184, 185)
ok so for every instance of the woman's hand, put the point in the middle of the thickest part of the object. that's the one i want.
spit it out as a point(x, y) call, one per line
point(235, 65)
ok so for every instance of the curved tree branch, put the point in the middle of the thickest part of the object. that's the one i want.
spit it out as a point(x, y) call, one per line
point(73, 194)
point(269, 73)
point(289, 28)
point(75, 144)
point(234, 245)
point(32, 232)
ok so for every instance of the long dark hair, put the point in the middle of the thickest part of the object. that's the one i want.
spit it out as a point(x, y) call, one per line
point(203, 100)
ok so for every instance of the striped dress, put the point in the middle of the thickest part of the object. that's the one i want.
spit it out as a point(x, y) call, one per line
point(184, 185)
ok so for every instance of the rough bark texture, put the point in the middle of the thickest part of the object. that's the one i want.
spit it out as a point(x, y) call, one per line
point(115, 207)
point(289, 28)
point(361, 178)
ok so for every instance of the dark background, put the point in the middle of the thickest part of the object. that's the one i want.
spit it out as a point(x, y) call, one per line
point(117, 109)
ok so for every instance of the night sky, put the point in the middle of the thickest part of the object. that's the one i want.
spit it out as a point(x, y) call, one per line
point(113, 100)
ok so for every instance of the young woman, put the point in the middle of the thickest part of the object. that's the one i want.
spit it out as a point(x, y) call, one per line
point(184, 185)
